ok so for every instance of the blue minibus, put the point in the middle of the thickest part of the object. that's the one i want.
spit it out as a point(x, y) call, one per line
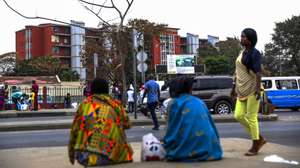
point(283, 92)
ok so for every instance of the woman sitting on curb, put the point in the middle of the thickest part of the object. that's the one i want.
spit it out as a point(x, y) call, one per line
point(191, 134)
point(98, 132)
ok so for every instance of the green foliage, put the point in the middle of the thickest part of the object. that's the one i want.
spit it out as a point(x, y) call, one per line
point(221, 58)
point(39, 66)
point(217, 65)
point(206, 50)
point(69, 75)
point(283, 53)
point(44, 66)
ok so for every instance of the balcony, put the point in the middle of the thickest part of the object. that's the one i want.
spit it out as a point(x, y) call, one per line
point(62, 33)
point(62, 44)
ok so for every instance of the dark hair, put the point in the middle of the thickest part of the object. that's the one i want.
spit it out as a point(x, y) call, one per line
point(251, 35)
point(180, 85)
point(33, 81)
point(99, 86)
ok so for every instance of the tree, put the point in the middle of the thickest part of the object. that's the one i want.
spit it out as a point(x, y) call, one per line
point(230, 48)
point(283, 53)
point(111, 6)
point(68, 75)
point(217, 65)
point(40, 66)
point(221, 58)
point(7, 62)
point(148, 30)
point(206, 50)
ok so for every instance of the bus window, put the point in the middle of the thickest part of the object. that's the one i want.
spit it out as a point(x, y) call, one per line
point(286, 84)
point(267, 84)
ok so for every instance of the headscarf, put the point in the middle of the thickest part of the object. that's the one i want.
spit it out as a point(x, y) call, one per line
point(251, 35)
point(180, 85)
point(247, 59)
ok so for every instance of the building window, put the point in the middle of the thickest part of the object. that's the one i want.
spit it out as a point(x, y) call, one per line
point(55, 50)
point(54, 39)
point(66, 41)
point(55, 29)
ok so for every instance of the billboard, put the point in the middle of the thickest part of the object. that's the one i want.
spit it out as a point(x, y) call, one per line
point(180, 64)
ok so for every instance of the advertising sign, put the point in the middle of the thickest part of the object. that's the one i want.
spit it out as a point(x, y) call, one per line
point(180, 64)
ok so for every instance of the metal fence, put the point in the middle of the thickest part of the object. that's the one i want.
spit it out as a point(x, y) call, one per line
point(54, 94)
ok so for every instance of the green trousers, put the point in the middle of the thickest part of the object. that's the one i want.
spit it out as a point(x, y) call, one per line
point(246, 113)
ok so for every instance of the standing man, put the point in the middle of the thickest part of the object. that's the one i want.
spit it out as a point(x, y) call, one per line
point(153, 94)
point(35, 90)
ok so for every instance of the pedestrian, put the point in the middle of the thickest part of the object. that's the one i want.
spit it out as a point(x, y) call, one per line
point(31, 99)
point(87, 89)
point(153, 93)
point(130, 99)
point(35, 90)
point(247, 89)
point(97, 134)
point(116, 92)
point(67, 101)
point(6, 93)
point(16, 95)
point(191, 134)
point(2, 97)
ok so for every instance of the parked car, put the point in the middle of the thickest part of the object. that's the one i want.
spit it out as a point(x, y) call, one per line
point(213, 90)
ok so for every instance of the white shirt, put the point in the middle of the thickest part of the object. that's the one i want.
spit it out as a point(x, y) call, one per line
point(130, 95)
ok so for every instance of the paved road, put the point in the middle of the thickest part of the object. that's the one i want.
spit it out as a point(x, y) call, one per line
point(281, 132)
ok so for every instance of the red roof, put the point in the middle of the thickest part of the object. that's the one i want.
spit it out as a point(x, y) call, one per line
point(23, 80)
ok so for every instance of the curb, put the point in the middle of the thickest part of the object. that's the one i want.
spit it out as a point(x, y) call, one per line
point(66, 124)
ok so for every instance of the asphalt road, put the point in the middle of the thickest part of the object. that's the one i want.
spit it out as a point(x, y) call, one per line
point(282, 132)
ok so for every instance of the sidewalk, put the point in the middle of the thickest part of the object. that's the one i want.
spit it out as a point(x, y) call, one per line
point(66, 123)
point(234, 149)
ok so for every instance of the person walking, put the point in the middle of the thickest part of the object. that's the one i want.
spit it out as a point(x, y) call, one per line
point(153, 93)
point(2, 98)
point(130, 99)
point(35, 90)
point(191, 134)
point(67, 101)
point(247, 89)
point(97, 135)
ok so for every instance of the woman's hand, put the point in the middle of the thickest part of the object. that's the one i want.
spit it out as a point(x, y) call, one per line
point(257, 94)
point(233, 93)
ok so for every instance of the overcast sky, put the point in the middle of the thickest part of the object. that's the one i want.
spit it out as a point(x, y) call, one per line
point(223, 18)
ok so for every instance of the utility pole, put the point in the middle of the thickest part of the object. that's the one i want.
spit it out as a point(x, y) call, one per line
point(134, 48)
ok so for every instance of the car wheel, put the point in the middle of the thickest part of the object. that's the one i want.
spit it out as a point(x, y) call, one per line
point(222, 107)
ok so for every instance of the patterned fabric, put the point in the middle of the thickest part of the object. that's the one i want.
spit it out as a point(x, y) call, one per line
point(245, 80)
point(97, 136)
point(191, 134)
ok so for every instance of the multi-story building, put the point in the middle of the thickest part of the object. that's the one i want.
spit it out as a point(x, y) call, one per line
point(167, 43)
point(67, 41)
point(61, 41)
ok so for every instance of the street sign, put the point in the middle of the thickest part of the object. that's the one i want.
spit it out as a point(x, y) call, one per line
point(142, 67)
point(141, 56)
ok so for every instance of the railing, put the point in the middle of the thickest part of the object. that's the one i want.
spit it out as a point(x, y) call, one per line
point(54, 95)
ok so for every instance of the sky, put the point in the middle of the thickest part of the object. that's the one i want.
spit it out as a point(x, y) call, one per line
point(222, 18)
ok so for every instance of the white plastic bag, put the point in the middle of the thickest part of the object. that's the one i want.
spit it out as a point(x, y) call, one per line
point(152, 149)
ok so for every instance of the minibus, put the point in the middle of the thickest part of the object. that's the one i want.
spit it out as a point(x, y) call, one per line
point(283, 92)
